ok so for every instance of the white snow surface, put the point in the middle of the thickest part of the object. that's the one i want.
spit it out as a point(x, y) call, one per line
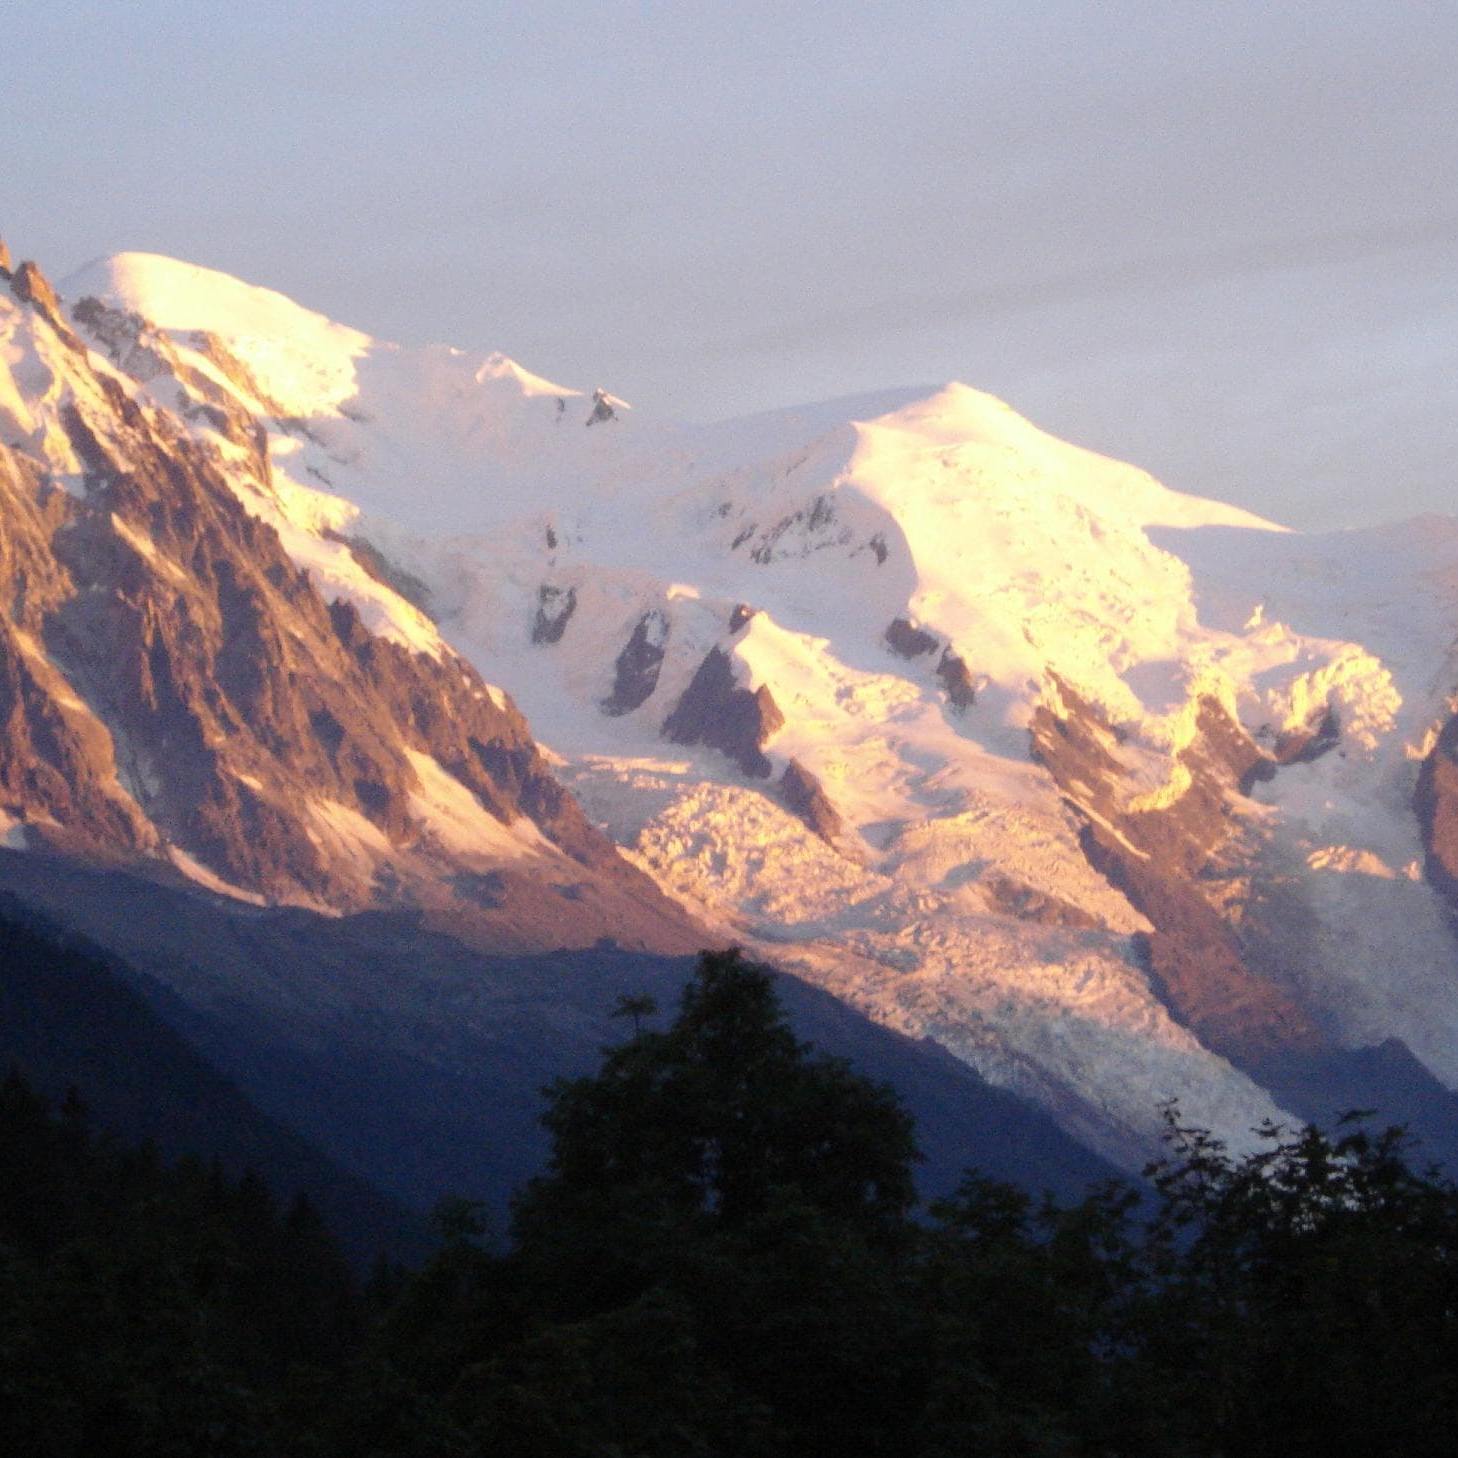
point(956, 903)
point(449, 813)
point(37, 383)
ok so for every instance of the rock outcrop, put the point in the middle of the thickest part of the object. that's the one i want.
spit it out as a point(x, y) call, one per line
point(1305, 745)
point(31, 286)
point(715, 711)
point(805, 796)
point(907, 641)
point(957, 680)
point(1158, 854)
point(1435, 802)
point(555, 606)
point(635, 673)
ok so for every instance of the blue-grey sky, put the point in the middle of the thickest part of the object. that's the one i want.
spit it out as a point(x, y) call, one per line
point(1216, 237)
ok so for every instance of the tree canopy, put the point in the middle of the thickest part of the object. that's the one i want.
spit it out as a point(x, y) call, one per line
point(722, 1113)
point(724, 1257)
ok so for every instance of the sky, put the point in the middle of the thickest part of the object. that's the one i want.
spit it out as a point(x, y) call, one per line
point(1215, 237)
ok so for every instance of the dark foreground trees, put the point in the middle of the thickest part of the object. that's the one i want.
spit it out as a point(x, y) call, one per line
point(1302, 1300)
point(724, 1258)
point(148, 1309)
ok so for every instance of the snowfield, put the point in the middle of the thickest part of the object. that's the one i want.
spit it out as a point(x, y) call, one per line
point(462, 503)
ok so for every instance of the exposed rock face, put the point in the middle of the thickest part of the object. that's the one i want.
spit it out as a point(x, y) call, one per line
point(1157, 855)
point(906, 640)
point(128, 340)
point(805, 796)
point(1009, 897)
point(169, 679)
point(555, 606)
point(910, 642)
point(4, 259)
point(957, 679)
point(740, 616)
point(57, 764)
point(232, 368)
point(31, 286)
point(635, 674)
point(1196, 964)
point(145, 354)
point(715, 711)
point(1435, 802)
point(1302, 746)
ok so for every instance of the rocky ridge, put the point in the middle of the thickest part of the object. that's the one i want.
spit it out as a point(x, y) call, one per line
point(176, 688)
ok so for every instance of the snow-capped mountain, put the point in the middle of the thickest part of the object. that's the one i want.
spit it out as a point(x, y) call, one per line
point(179, 693)
point(1118, 794)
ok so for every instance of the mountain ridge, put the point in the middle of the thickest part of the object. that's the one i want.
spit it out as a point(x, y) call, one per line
point(1033, 769)
point(181, 690)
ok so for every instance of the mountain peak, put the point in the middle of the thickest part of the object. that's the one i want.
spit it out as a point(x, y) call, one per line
point(31, 286)
point(173, 294)
point(964, 422)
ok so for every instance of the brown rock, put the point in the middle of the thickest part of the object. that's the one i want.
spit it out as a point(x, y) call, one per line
point(1302, 746)
point(31, 286)
point(1075, 747)
point(127, 340)
point(635, 674)
point(1008, 897)
point(1196, 962)
point(57, 762)
point(1196, 965)
point(956, 678)
point(715, 711)
point(212, 349)
point(909, 642)
point(1435, 802)
point(805, 796)
point(145, 353)
point(555, 606)
point(159, 637)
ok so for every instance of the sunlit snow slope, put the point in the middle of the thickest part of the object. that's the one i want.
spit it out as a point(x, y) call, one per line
point(1108, 789)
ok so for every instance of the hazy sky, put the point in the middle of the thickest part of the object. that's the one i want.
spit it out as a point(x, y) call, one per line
point(1218, 238)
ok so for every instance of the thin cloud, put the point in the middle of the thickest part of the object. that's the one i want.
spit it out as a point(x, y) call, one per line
point(907, 312)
